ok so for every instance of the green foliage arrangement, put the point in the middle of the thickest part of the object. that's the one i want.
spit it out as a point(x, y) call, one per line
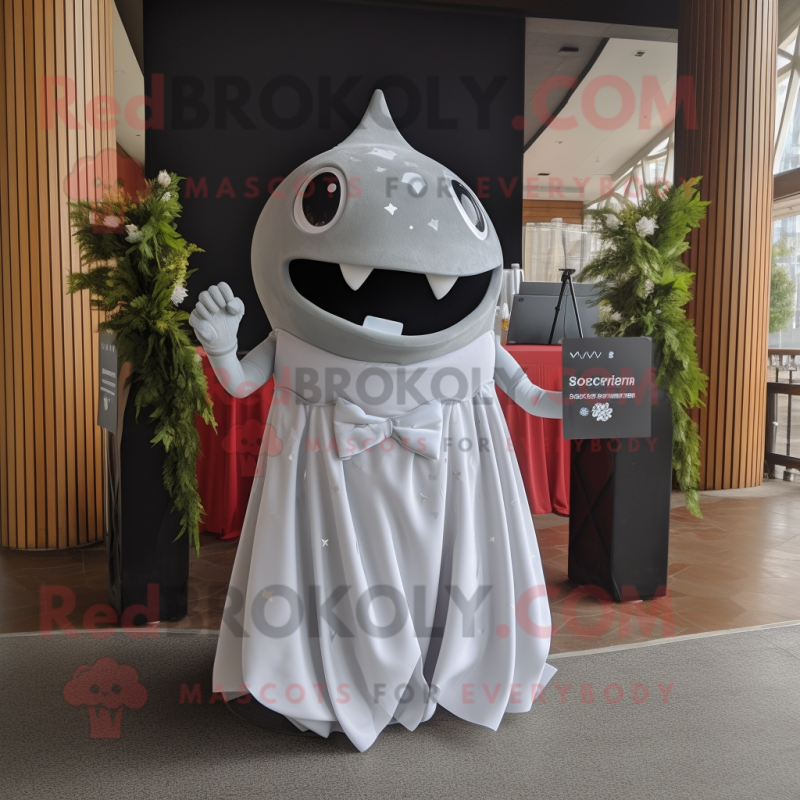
point(136, 273)
point(781, 289)
point(643, 290)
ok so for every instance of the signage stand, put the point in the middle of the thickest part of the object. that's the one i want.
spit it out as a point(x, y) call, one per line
point(619, 487)
point(141, 542)
point(619, 511)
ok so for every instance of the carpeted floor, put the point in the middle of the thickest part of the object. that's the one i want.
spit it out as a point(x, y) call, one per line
point(730, 728)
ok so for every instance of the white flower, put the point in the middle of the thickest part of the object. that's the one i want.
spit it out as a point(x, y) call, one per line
point(131, 228)
point(178, 294)
point(649, 286)
point(164, 178)
point(612, 221)
point(602, 412)
point(646, 226)
point(111, 221)
point(134, 236)
point(166, 196)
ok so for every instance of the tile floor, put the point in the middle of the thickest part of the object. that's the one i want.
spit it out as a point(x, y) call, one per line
point(738, 566)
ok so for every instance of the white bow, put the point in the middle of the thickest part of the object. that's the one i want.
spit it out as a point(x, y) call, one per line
point(419, 430)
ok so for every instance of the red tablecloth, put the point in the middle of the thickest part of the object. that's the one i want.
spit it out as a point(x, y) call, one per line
point(542, 452)
point(229, 459)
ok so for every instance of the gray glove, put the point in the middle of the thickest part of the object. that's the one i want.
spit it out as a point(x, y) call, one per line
point(216, 319)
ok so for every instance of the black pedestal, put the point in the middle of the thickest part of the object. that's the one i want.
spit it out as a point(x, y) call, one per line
point(141, 528)
point(619, 510)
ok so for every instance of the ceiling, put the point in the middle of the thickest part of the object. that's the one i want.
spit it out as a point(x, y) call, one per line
point(544, 41)
point(588, 153)
point(128, 88)
point(788, 17)
point(131, 13)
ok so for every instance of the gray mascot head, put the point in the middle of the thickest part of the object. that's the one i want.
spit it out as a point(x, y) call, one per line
point(375, 252)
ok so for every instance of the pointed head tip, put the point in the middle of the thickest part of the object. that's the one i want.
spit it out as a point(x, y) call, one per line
point(377, 125)
point(377, 104)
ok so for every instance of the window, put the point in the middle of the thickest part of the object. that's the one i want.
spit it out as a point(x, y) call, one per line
point(787, 109)
point(784, 289)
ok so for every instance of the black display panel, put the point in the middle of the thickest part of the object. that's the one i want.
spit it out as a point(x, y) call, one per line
point(251, 90)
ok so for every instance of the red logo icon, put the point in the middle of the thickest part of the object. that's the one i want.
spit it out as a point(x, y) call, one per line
point(105, 688)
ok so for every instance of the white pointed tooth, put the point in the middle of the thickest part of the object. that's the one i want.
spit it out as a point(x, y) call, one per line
point(355, 276)
point(441, 284)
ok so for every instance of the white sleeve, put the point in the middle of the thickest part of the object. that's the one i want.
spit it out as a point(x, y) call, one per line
point(242, 378)
point(511, 378)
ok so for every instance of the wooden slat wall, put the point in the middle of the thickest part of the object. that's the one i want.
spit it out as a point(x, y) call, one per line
point(50, 446)
point(729, 47)
point(545, 210)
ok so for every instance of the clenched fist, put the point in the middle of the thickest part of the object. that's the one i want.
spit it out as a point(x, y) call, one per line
point(216, 319)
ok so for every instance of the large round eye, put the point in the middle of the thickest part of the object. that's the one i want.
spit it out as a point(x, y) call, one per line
point(320, 200)
point(469, 207)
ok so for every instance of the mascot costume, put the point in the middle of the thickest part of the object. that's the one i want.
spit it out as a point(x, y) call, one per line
point(388, 561)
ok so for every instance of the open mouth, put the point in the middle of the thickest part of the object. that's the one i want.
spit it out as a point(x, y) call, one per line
point(421, 303)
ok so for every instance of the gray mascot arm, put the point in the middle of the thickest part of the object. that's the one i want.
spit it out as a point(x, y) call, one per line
point(511, 378)
point(215, 320)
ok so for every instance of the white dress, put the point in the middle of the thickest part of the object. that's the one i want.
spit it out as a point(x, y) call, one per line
point(388, 560)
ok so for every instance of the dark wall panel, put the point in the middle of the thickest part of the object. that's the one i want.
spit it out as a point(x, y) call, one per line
point(305, 72)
